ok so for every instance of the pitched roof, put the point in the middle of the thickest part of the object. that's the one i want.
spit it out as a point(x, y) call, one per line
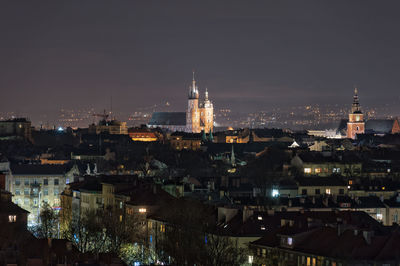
point(11, 208)
point(38, 169)
point(381, 126)
point(321, 181)
point(168, 118)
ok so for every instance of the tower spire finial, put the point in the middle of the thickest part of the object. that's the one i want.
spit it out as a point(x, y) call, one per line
point(193, 75)
point(355, 90)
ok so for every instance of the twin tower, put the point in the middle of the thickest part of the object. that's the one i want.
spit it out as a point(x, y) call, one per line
point(200, 114)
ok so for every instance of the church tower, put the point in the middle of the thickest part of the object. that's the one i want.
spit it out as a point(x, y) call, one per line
point(193, 112)
point(356, 124)
point(207, 114)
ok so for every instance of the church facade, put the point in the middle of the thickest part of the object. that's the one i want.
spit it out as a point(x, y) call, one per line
point(198, 117)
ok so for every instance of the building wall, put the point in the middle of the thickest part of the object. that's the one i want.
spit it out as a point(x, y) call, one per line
point(30, 191)
point(355, 125)
point(193, 116)
point(355, 128)
point(330, 190)
point(16, 128)
point(207, 117)
point(327, 169)
point(393, 215)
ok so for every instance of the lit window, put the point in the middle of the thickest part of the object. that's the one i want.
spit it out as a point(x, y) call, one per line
point(259, 218)
point(263, 227)
point(120, 218)
point(317, 170)
point(307, 170)
point(328, 191)
point(251, 259)
point(350, 182)
point(275, 193)
point(379, 216)
point(290, 241)
point(12, 218)
point(142, 210)
point(162, 228)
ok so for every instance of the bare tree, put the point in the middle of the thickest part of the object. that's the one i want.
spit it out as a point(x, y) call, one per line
point(48, 224)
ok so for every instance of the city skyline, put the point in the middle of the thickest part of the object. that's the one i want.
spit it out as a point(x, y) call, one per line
point(252, 57)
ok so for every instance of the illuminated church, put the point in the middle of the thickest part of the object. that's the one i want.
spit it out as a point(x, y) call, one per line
point(357, 124)
point(198, 117)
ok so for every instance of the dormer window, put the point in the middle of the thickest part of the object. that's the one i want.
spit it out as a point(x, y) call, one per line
point(12, 218)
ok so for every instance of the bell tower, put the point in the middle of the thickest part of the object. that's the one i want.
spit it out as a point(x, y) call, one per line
point(356, 124)
point(193, 113)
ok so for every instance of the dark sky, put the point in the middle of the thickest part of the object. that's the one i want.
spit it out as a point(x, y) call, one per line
point(250, 54)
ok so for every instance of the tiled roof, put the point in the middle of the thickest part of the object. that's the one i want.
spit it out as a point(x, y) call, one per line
point(38, 169)
point(168, 118)
point(321, 181)
point(380, 126)
point(11, 208)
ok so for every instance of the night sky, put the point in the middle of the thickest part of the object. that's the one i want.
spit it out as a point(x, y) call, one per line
point(250, 54)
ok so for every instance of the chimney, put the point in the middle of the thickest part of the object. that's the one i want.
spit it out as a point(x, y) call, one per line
point(325, 202)
point(271, 212)
point(247, 214)
point(368, 236)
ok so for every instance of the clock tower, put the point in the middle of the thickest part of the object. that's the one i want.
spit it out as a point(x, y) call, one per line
point(356, 124)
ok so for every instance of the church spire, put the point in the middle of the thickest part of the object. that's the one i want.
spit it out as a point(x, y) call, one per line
point(355, 107)
point(193, 92)
point(206, 95)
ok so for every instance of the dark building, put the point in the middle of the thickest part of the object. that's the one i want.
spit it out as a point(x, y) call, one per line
point(18, 128)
